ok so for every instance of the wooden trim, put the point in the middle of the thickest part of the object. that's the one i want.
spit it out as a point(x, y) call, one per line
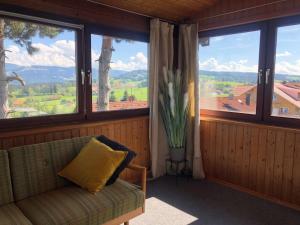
point(229, 13)
point(254, 193)
point(247, 123)
point(126, 217)
point(14, 133)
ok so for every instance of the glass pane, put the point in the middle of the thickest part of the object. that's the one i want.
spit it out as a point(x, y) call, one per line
point(37, 70)
point(120, 76)
point(286, 90)
point(228, 72)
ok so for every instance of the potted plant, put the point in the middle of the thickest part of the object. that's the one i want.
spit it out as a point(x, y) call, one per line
point(174, 104)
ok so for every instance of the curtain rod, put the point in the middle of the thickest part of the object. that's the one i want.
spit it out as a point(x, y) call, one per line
point(241, 10)
point(133, 12)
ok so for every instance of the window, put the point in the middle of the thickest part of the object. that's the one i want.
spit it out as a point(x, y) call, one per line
point(119, 74)
point(252, 72)
point(54, 71)
point(286, 84)
point(228, 68)
point(38, 69)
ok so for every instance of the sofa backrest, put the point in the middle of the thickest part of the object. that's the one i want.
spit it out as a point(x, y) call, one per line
point(6, 194)
point(34, 168)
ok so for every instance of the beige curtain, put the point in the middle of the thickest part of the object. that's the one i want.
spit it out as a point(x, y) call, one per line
point(188, 64)
point(161, 54)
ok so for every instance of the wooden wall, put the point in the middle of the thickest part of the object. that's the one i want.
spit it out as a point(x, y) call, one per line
point(130, 132)
point(257, 158)
point(235, 12)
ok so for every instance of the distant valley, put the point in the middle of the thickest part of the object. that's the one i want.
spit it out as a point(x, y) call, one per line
point(53, 74)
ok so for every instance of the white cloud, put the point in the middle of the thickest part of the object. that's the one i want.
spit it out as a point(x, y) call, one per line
point(283, 67)
point(233, 66)
point(139, 61)
point(283, 54)
point(60, 53)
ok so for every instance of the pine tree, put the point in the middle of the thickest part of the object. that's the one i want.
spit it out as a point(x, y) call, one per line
point(112, 97)
point(125, 96)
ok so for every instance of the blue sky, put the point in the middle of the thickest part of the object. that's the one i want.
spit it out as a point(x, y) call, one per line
point(239, 52)
point(60, 51)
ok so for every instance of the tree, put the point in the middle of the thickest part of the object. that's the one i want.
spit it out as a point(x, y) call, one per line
point(125, 96)
point(112, 97)
point(104, 67)
point(21, 33)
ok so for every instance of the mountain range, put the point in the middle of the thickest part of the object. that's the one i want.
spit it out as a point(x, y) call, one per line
point(54, 74)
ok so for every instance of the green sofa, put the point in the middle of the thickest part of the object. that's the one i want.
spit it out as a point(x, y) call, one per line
point(31, 192)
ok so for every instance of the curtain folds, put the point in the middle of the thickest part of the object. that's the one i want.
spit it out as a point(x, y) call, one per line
point(188, 64)
point(161, 55)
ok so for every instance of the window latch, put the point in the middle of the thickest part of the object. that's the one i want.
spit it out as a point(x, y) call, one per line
point(90, 77)
point(260, 73)
point(268, 71)
point(82, 76)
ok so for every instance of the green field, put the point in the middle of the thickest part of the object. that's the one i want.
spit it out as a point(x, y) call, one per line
point(34, 100)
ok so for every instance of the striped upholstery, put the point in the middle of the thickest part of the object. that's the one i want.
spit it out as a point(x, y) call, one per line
point(6, 194)
point(11, 215)
point(34, 167)
point(74, 206)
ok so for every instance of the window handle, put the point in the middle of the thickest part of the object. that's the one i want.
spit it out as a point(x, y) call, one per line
point(82, 77)
point(268, 71)
point(90, 76)
point(260, 73)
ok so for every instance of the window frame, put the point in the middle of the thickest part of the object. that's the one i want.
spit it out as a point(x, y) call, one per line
point(78, 28)
point(110, 114)
point(84, 113)
point(259, 26)
point(270, 63)
point(266, 60)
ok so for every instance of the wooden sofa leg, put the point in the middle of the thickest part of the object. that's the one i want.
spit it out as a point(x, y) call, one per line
point(126, 223)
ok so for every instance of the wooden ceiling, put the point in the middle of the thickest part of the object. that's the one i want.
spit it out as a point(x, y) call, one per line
point(169, 10)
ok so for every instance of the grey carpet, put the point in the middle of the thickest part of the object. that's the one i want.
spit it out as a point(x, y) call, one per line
point(206, 203)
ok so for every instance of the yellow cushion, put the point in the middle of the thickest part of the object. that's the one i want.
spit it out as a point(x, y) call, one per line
point(93, 166)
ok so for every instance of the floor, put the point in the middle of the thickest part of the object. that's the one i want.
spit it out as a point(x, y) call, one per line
point(206, 203)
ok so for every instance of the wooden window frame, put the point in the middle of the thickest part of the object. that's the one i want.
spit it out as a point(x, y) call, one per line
point(261, 65)
point(124, 34)
point(59, 118)
point(266, 61)
point(83, 88)
point(270, 63)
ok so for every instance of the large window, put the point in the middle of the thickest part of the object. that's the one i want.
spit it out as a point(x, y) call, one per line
point(228, 67)
point(56, 71)
point(286, 86)
point(38, 75)
point(252, 71)
point(119, 73)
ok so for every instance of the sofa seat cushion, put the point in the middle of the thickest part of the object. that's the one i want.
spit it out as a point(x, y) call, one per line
point(11, 215)
point(74, 206)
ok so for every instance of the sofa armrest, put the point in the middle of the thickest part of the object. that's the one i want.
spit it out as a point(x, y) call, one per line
point(143, 171)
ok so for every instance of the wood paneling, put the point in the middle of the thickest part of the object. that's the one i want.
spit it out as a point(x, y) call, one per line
point(235, 12)
point(84, 12)
point(171, 10)
point(259, 158)
point(130, 132)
